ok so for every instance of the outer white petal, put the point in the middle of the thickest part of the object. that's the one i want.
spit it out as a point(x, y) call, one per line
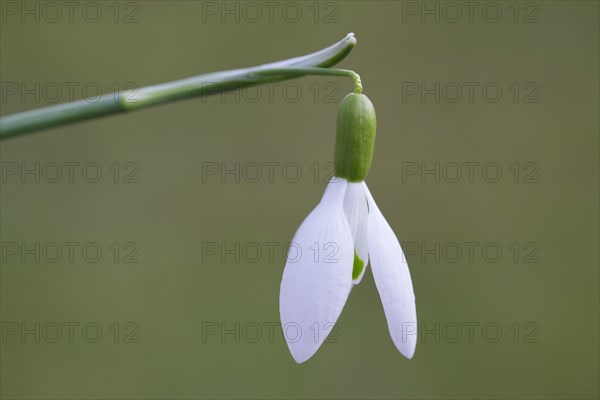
point(392, 278)
point(355, 207)
point(318, 275)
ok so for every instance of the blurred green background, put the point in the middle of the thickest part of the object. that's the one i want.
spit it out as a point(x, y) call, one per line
point(544, 57)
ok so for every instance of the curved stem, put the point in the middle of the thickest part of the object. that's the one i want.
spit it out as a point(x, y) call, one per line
point(201, 85)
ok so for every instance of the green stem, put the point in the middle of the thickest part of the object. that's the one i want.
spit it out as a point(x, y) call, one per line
point(203, 85)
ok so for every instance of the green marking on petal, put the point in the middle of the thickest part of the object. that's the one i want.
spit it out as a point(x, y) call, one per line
point(358, 266)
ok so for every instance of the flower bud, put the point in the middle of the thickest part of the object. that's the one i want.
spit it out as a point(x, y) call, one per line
point(355, 137)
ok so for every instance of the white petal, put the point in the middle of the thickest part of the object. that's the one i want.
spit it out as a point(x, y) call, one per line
point(318, 275)
point(392, 278)
point(355, 207)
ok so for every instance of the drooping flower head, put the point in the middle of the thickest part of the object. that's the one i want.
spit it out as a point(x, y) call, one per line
point(344, 234)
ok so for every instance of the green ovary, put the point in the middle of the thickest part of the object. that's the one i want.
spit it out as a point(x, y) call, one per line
point(354, 138)
point(358, 266)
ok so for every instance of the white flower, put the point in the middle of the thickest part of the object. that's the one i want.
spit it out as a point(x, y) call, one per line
point(317, 279)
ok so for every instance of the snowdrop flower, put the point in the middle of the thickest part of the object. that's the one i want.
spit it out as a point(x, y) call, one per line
point(344, 234)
